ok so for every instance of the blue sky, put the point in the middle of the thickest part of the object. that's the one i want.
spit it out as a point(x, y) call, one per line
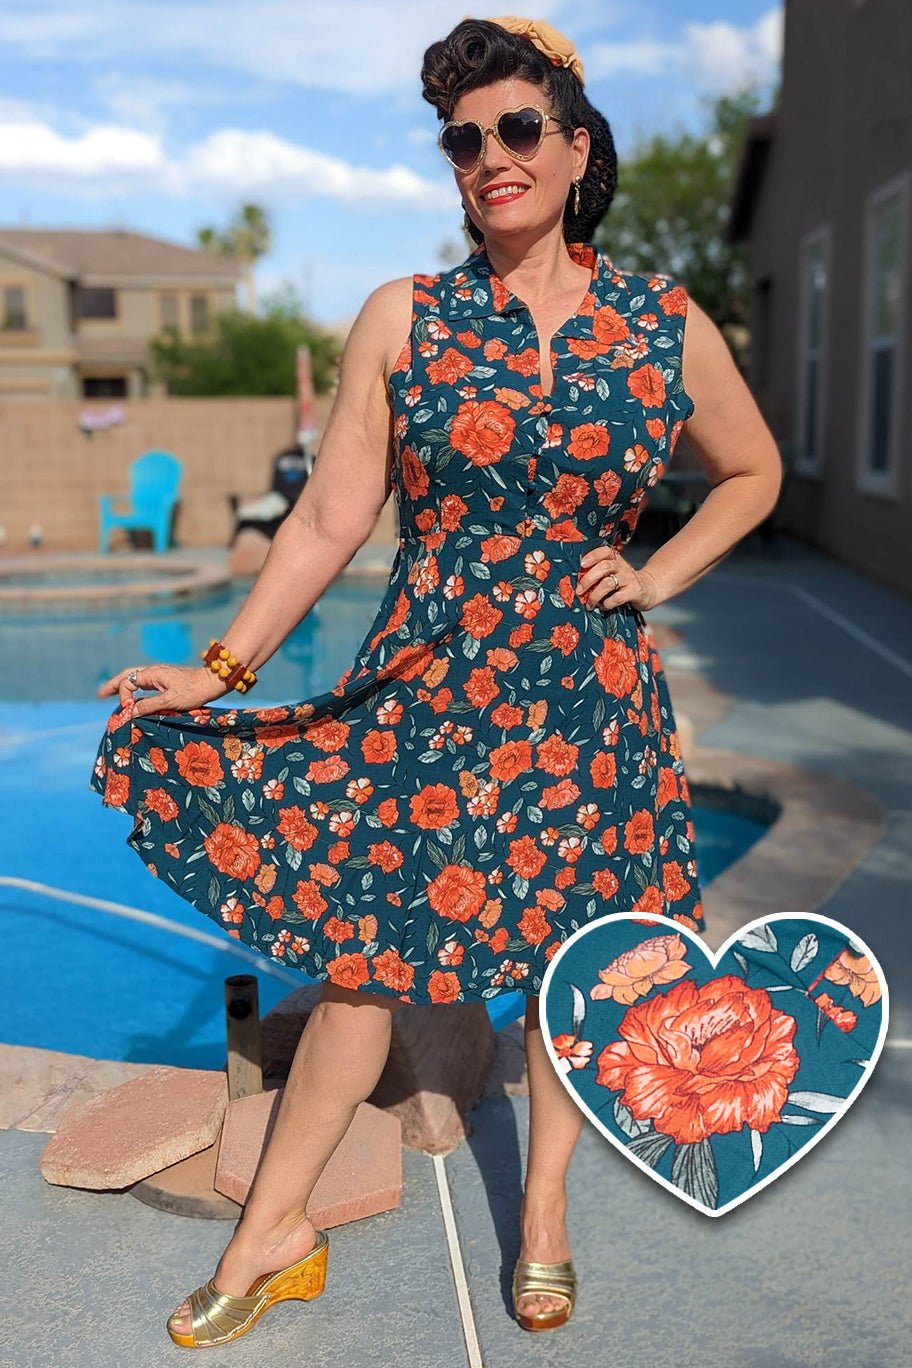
point(161, 116)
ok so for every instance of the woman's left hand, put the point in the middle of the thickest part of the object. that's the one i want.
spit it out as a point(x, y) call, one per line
point(607, 580)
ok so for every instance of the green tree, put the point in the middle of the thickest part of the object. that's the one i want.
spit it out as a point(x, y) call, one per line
point(247, 237)
point(247, 353)
point(672, 205)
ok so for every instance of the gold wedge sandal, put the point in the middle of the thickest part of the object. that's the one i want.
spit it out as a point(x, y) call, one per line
point(217, 1317)
point(556, 1279)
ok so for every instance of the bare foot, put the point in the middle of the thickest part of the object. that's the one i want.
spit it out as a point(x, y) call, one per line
point(246, 1257)
point(544, 1240)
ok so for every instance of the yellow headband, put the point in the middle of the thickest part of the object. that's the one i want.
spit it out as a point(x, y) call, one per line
point(549, 40)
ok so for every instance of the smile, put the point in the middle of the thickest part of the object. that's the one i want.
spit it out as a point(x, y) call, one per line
point(503, 192)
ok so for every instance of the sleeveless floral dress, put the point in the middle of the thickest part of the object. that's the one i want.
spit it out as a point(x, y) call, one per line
point(500, 762)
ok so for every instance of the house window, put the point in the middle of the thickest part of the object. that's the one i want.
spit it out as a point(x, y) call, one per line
point(104, 387)
point(813, 302)
point(96, 302)
point(169, 308)
point(199, 312)
point(13, 309)
point(883, 333)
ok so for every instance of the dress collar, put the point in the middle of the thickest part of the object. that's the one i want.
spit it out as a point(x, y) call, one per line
point(475, 290)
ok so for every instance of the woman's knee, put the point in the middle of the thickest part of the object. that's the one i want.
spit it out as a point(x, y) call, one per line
point(358, 997)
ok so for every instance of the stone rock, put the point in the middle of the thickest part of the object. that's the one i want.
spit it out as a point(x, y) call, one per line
point(439, 1059)
point(362, 1177)
point(509, 1076)
point(38, 1087)
point(137, 1128)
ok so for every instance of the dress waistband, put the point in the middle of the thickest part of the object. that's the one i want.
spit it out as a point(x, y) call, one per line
point(537, 536)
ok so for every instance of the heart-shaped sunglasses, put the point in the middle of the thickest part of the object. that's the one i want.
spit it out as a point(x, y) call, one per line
point(520, 133)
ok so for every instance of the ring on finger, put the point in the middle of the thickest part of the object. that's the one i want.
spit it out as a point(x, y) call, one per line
point(132, 678)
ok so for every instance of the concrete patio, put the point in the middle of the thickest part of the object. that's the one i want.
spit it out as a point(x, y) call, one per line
point(798, 662)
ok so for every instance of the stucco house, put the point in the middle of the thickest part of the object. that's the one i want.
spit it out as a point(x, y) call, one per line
point(824, 200)
point(78, 306)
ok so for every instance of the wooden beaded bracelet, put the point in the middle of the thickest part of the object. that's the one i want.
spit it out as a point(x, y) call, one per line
point(227, 666)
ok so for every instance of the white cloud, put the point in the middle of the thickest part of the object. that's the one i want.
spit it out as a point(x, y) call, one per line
point(247, 162)
point(713, 57)
point(107, 159)
point(722, 57)
point(32, 148)
point(357, 46)
point(150, 101)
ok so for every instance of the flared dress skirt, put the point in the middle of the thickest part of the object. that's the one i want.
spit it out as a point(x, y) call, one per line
point(500, 763)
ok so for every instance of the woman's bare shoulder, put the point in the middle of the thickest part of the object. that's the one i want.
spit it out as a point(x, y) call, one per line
point(384, 321)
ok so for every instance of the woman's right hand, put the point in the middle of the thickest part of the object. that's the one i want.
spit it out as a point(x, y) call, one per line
point(180, 688)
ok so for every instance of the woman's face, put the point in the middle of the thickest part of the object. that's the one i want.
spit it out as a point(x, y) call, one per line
point(545, 181)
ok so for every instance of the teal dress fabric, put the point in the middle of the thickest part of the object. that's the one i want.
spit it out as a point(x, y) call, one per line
point(715, 1078)
point(500, 762)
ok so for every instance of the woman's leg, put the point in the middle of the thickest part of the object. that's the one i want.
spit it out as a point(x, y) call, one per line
point(555, 1123)
point(337, 1064)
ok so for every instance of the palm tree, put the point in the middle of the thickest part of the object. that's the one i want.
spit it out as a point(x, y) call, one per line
point(247, 237)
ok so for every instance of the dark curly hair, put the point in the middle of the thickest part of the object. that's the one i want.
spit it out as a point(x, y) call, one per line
point(477, 52)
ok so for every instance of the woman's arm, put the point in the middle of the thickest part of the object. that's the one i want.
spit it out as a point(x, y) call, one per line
point(736, 449)
point(345, 493)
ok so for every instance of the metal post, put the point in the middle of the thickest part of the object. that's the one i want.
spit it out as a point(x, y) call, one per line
point(242, 1031)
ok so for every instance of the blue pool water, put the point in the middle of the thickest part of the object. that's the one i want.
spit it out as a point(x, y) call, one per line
point(140, 977)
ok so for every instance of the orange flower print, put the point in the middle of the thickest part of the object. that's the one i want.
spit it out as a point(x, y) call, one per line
point(457, 893)
point(556, 756)
point(309, 900)
point(330, 734)
point(232, 850)
point(588, 441)
point(647, 384)
point(510, 760)
point(434, 807)
point(571, 1052)
point(444, 986)
point(703, 1060)
point(391, 970)
point(480, 617)
point(609, 326)
point(654, 962)
point(348, 970)
point(842, 1017)
point(525, 858)
point(452, 366)
point(534, 925)
point(160, 802)
point(857, 973)
point(482, 432)
point(294, 827)
point(639, 832)
point(414, 476)
point(198, 763)
point(379, 747)
point(616, 668)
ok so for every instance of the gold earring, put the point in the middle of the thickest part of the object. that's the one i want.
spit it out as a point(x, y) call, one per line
point(576, 194)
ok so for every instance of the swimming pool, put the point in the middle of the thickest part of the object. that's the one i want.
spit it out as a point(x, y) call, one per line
point(102, 959)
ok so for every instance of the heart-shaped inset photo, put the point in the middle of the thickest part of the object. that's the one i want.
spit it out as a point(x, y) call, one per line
point(714, 1071)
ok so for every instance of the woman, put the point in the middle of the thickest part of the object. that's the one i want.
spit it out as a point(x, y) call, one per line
point(505, 730)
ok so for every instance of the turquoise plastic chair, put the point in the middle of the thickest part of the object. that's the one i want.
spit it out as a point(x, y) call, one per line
point(155, 479)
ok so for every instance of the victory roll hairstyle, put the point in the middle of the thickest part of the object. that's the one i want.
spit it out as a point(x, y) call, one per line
point(478, 52)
